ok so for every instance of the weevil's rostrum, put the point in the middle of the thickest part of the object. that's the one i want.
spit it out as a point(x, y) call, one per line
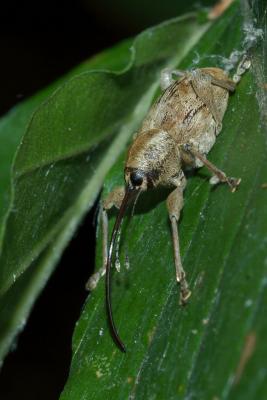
point(177, 134)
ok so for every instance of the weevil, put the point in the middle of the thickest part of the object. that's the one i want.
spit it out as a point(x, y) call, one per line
point(178, 133)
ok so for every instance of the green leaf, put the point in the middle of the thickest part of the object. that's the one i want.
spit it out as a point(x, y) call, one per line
point(14, 124)
point(215, 348)
point(74, 133)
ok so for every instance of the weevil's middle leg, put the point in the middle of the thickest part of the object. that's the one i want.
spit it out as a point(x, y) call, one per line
point(114, 198)
point(174, 205)
point(227, 84)
point(219, 175)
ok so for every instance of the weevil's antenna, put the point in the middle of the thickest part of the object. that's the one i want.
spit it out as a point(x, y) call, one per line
point(129, 193)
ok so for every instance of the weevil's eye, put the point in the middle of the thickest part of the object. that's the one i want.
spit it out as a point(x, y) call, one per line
point(136, 178)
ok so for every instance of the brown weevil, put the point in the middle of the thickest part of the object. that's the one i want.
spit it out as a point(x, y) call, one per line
point(178, 132)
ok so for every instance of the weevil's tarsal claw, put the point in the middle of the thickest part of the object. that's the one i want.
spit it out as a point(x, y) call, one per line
point(93, 281)
point(185, 293)
point(174, 205)
point(130, 193)
point(234, 183)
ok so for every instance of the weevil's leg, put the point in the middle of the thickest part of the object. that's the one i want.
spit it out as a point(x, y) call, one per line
point(220, 176)
point(94, 279)
point(227, 84)
point(114, 198)
point(230, 84)
point(242, 67)
point(166, 77)
point(174, 205)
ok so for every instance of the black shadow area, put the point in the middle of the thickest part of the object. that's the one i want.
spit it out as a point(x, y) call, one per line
point(39, 365)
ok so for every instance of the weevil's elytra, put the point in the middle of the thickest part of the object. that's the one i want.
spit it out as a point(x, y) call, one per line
point(178, 133)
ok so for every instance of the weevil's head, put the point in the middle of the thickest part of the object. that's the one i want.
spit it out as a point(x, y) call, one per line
point(152, 160)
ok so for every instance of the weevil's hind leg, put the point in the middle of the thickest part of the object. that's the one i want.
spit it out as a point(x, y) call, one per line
point(219, 175)
point(230, 84)
point(166, 77)
point(113, 199)
point(242, 67)
point(227, 84)
point(174, 205)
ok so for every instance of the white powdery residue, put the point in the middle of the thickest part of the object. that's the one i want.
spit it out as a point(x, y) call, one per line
point(196, 58)
point(164, 355)
point(99, 374)
point(252, 34)
point(47, 172)
point(165, 351)
point(231, 62)
point(127, 262)
point(117, 265)
point(248, 303)
point(49, 169)
point(228, 385)
point(201, 215)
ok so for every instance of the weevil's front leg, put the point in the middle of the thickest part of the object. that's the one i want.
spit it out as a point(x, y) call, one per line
point(174, 205)
point(219, 175)
point(94, 279)
point(114, 198)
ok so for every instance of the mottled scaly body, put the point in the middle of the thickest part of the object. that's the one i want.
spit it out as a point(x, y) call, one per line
point(186, 116)
point(188, 112)
point(178, 133)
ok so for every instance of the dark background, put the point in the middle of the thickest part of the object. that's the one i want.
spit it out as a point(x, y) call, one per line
point(39, 42)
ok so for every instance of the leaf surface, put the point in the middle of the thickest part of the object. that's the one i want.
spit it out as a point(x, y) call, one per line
point(215, 348)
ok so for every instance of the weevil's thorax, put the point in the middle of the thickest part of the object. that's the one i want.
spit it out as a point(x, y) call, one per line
point(152, 160)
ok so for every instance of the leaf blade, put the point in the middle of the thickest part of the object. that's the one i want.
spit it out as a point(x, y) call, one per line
point(167, 347)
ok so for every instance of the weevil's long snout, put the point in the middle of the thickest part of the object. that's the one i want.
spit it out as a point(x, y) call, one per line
point(130, 193)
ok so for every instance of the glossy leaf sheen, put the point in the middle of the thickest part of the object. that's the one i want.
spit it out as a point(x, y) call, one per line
point(194, 352)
